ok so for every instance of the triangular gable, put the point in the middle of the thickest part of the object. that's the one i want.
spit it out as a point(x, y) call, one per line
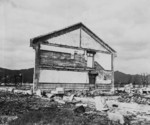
point(77, 35)
point(71, 38)
point(89, 43)
point(77, 38)
point(100, 41)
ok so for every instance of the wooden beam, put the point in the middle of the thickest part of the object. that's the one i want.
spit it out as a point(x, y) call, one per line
point(65, 68)
point(56, 33)
point(112, 68)
point(36, 68)
point(80, 38)
point(72, 47)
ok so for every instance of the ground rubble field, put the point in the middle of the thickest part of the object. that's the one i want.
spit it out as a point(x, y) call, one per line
point(134, 98)
point(24, 109)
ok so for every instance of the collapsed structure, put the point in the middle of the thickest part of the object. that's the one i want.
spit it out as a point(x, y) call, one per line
point(72, 58)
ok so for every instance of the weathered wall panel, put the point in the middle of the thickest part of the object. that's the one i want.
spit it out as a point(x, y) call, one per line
point(54, 76)
point(55, 55)
point(88, 42)
point(104, 77)
point(50, 58)
point(61, 49)
point(77, 38)
point(104, 60)
point(70, 39)
point(66, 86)
point(62, 60)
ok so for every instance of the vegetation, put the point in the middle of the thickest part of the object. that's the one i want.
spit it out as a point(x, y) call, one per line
point(63, 116)
point(13, 76)
point(122, 79)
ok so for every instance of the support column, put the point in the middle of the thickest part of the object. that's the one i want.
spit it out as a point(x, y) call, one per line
point(80, 38)
point(36, 68)
point(112, 68)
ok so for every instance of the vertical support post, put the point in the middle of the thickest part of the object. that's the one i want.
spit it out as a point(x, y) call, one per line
point(112, 68)
point(80, 38)
point(36, 68)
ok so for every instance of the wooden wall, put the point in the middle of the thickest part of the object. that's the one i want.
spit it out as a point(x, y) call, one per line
point(51, 58)
point(73, 59)
point(74, 86)
point(66, 86)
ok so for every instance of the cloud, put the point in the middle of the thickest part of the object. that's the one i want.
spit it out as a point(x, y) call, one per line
point(124, 25)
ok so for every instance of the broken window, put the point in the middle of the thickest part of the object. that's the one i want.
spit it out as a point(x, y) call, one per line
point(90, 59)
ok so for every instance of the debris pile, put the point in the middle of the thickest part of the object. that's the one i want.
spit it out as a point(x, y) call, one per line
point(88, 105)
point(13, 106)
point(134, 98)
point(86, 93)
point(15, 103)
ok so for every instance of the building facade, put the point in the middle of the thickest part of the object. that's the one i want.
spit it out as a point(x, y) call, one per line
point(72, 58)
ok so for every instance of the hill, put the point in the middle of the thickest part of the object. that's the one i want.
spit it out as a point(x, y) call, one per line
point(122, 78)
point(7, 75)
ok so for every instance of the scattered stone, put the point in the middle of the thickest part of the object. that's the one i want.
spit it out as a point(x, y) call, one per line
point(100, 103)
point(60, 90)
point(79, 109)
point(81, 104)
point(116, 117)
point(136, 98)
point(114, 105)
point(39, 93)
point(59, 101)
point(49, 95)
point(6, 119)
point(43, 93)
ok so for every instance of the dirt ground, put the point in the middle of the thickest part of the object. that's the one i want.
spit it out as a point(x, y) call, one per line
point(21, 109)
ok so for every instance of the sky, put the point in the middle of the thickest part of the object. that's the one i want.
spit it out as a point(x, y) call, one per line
point(122, 24)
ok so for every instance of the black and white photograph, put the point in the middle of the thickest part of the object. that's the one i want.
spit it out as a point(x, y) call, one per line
point(74, 62)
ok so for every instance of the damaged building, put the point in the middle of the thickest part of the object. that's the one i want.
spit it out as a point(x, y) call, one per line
point(72, 58)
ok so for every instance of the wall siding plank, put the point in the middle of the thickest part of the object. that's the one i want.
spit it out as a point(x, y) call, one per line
point(51, 58)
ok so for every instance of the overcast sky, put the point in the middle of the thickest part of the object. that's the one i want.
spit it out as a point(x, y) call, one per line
point(123, 24)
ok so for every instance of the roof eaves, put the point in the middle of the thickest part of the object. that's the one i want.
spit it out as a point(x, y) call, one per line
point(57, 32)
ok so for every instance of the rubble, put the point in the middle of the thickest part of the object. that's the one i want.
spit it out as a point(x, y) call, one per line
point(16, 103)
point(116, 116)
point(79, 109)
point(6, 119)
point(39, 93)
point(100, 104)
point(81, 104)
point(119, 109)
point(136, 98)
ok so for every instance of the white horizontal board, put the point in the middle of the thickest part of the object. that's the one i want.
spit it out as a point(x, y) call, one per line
point(101, 81)
point(61, 49)
point(54, 76)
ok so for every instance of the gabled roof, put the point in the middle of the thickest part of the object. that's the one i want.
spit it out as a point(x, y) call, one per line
point(69, 29)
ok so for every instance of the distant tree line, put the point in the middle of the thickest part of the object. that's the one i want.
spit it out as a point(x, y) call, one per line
point(9, 77)
point(122, 79)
